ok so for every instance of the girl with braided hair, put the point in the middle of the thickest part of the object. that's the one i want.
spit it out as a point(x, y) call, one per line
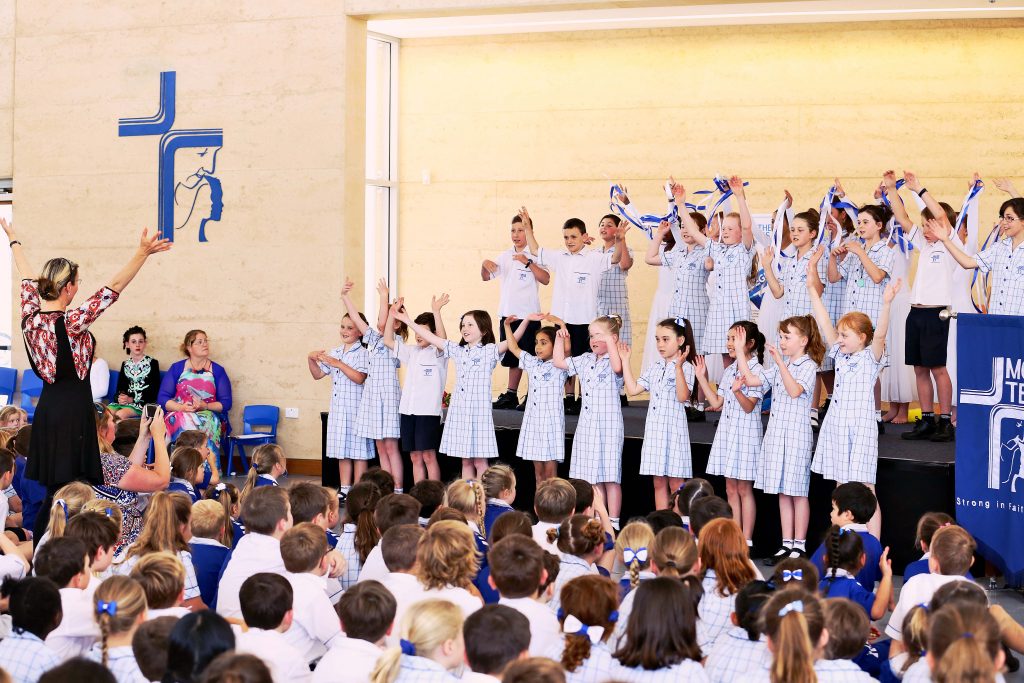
point(120, 606)
point(633, 547)
point(844, 557)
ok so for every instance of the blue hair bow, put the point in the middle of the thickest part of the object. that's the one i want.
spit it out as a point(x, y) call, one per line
point(795, 606)
point(681, 322)
point(797, 574)
point(220, 487)
point(843, 531)
point(614, 616)
point(407, 647)
point(63, 506)
point(104, 607)
point(629, 556)
point(108, 512)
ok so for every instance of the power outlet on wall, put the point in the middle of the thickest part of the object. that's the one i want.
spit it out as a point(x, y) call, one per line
point(292, 413)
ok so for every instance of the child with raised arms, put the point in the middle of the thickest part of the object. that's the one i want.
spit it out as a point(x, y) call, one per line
point(469, 426)
point(597, 443)
point(785, 464)
point(520, 273)
point(666, 451)
point(377, 416)
point(735, 451)
point(426, 371)
point(847, 448)
point(347, 366)
point(542, 436)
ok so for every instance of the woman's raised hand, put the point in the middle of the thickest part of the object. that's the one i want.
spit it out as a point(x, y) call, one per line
point(151, 245)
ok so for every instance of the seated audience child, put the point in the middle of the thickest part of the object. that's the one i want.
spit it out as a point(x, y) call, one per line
point(844, 559)
point(488, 655)
point(194, 642)
point(78, 668)
point(963, 645)
point(266, 601)
point(660, 641)
point(853, 504)
point(119, 609)
point(795, 572)
point(162, 578)
point(398, 548)
point(34, 606)
point(398, 508)
point(209, 469)
point(794, 622)
point(99, 534)
point(662, 519)
point(554, 502)
point(706, 509)
point(367, 613)
point(168, 523)
point(632, 551)
point(430, 494)
point(915, 644)
point(268, 465)
point(227, 495)
point(512, 522)
point(533, 670)
point(31, 492)
point(186, 472)
point(65, 561)
point(689, 493)
point(929, 523)
point(499, 482)
point(587, 618)
point(446, 562)
point(742, 649)
point(431, 646)
point(725, 559)
point(231, 667)
point(359, 534)
point(210, 546)
point(590, 502)
point(468, 497)
point(149, 645)
point(311, 502)
point(315, 624)
point(333, 516)
point(267, 516)
point(13, 564)
point(381, 478)
point(848, 632)
point(580, 543)
point(517, 572)
point(67, 502)
point(952, 553)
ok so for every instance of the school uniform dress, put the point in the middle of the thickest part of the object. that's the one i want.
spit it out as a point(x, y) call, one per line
point(690, 294)
point(730, 301)
point(686, 670)
point(1006, 265)
point(347, 547)
point(26, 657)
point(237, 531)
point(597, 443)
point(666, 448)
point(844, 585)
point(796, 298)
point(342, 440)
point(714, 613)
point(862, 294)
point(737, 445)
point(180, 485)
point(426, 371)
point(414, 669)
point(469, 427)
point(496, 507)
point(599, 667)
point(834, 298)
point(209, 558)
point(898, 380)
point(785, 464)
point(569, 568)
point(542, 436)
point(120, 661)
point(377, 417)
point(870, 573)
point(124, 568)
point(847, 447)
point(735, 656)
point(660, 305)
point(613, 297)
point(625, 609)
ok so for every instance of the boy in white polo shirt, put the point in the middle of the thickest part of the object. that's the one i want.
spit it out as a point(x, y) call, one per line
point(367, 612)
point(577, 281)
point(519, 272)
point(517, 572)
point(927, 334)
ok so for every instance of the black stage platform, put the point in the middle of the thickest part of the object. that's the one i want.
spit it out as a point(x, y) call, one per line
point(913, 478)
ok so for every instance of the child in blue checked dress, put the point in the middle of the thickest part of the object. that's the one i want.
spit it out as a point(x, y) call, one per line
point(597, 443)
point(737, 446)
point(844, 558)
point(347, 366)
point(469, 426)
point(666, 451)
point(785, 467)
point(431, 646)
point(542, 436)
point(377, 417)
point(847, 448)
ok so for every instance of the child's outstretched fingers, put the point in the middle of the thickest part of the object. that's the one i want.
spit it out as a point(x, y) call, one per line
point(623, 349)
point(563, 333)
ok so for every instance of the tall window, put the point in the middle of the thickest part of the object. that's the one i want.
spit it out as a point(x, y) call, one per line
point(381, 166)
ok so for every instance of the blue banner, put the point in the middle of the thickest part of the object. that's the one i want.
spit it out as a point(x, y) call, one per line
point(990, 437)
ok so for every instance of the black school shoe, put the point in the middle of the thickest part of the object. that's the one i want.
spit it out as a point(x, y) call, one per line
point(507, 401)
point(694, 415)
point(778, 556)
point(570, 405)
point(923, 430)
point(624, 400)
point(944, 432)
point(881, 427)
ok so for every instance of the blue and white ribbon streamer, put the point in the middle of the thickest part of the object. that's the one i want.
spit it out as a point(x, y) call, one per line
point(647, 223)
point(976, 189)
point(896, 235)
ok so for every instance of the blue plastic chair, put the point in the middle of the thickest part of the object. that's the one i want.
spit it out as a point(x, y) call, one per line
point(253, 417)
point(31, 386)
point(112, 391)
point(8, 383)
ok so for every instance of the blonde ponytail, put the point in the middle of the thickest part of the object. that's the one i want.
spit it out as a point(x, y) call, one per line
point(67, 502)
point(794, 621)
point(964, 643)
point(117, 605)
point(425, 627)
point(468, 497)
point(636, 538)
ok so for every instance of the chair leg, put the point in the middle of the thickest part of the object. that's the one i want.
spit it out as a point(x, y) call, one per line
point(226, 451)
point(245, 461)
